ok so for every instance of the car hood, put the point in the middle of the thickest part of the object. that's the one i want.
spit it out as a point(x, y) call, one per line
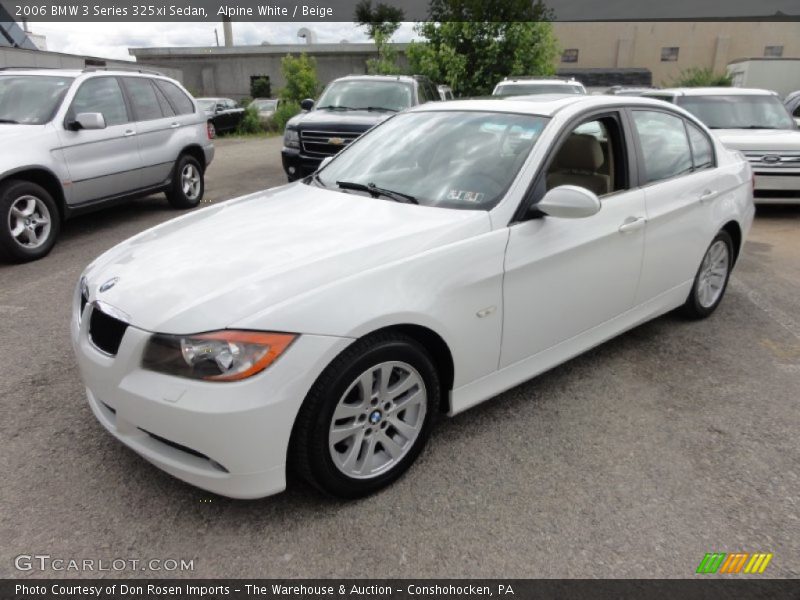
point(212, 268)
point(759, 139)
point(340, 120)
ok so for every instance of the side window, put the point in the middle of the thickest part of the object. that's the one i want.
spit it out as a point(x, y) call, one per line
point(592, 157)
point(101, 95)
point(424, 94)
point(796, 112)
point(179, 100)
point(144, 99)
point(166, 108)
point(702, 150)
point(665, 147)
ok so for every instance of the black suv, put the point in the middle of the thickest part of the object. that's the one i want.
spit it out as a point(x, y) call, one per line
point(348, 107)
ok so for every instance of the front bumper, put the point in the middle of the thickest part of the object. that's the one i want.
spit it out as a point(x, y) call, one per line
point(228, 438)
point(298, 165)
point(776, 186)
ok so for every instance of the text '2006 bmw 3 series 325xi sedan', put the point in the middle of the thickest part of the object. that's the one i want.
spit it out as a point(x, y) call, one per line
point(449, 254)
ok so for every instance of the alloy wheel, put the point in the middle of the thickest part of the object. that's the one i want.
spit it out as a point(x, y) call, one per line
point(29, 222)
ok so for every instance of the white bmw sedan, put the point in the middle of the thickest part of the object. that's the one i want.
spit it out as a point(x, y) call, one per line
point(449, 254)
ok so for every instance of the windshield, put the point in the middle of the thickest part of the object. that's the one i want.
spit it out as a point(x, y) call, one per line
point(206, 104)
point(450, 159)
point(738, 112)
point(527, 89)
point(265, 104)
point(364, 94)
point(31, 99)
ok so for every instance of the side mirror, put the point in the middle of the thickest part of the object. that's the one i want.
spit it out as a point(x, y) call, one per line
point(307, 104)
point(219, 108)
point(569, 202)
point(89, 121)
point(324, 163)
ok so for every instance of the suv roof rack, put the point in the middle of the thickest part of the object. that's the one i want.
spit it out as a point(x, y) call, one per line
point(524, 77)
point(129, 69)
point(27, 68)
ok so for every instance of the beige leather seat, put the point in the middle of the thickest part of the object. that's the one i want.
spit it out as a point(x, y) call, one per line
point(577, 163)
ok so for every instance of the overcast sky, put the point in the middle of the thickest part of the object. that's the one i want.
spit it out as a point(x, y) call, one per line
point(112, 40)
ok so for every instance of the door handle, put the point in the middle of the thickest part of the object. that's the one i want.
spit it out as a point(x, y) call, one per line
point(708, 195)
point(632, 224)
point(174, 125)
point(129, 133)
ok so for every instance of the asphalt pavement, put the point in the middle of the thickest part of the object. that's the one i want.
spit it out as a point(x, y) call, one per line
point(634, 460)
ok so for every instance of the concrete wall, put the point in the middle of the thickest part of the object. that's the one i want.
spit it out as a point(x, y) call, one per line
point(220, 71)
point(18, 57)
point(705, 45)
point(780, 75)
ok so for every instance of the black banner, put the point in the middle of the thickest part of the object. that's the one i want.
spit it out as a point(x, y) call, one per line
point(349, 589)
point(413, 10)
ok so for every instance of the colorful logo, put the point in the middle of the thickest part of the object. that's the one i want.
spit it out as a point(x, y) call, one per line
point(737, 562)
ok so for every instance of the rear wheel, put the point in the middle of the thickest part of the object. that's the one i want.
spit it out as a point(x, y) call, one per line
point(367, 417)
point(712, 278)
point(29, 221)
point(188, 183)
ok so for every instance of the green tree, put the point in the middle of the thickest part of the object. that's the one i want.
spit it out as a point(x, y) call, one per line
point(381, 22)
point(473, 44)
point(697, 77)
point(300, 73)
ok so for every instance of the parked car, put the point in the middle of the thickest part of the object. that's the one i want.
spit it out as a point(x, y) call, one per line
point(266, 108)
point(348, 107)
point(756, 123)
point(445, 92)
point(223, 114)
point(74, 141)
point(452, 252)
point(525, 86)
point(792, 104)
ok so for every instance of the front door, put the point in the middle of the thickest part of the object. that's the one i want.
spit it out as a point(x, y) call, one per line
point(102, 162)
point(565, 276)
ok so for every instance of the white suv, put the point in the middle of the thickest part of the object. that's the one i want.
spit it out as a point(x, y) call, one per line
point(526, 86)
point(757, 124)
point(74, 141)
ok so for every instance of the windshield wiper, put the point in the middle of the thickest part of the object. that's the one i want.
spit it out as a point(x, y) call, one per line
point(334, 107)
point(375, 191)
point(9, 121)
point(378, 108)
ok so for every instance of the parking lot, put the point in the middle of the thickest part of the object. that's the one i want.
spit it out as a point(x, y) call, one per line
point(634, 460)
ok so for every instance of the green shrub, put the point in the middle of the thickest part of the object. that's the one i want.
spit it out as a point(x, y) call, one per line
point(250, 123)
point(245, 102)
point(696, 77)
point(285, 112)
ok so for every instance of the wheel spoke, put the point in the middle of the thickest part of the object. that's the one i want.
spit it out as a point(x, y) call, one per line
point(410, 400)
point(406, 430)
point(31, 235)
point(403, 386)
point(353, 451)
point(391, 447)
point(342, 432)
point(17, 230)
point(369, 452)
point(347, 411)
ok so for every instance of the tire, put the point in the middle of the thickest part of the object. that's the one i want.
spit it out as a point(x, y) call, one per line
point(29, 221)
point(188, 183)
point(375, 442)
point(712, 278)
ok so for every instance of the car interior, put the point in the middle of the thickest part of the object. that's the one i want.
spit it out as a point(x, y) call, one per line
point(587, 158)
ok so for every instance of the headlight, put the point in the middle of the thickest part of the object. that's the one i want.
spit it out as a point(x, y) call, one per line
point(291, 138)
point(226, 355)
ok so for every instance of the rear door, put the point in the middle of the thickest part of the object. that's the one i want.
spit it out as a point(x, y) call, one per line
point(156, 126)
point(102, 162)
point(679, 177)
